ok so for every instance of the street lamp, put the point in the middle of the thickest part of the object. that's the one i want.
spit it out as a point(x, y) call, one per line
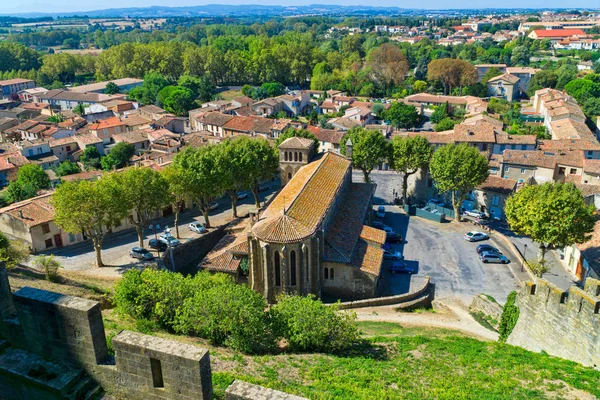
point(524, 259)
point(155, 229)
point(169, 236)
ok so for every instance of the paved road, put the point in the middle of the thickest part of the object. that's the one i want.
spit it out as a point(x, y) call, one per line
point(116, 247)
point(529, 249)
point(440, 252)
point(387, 182)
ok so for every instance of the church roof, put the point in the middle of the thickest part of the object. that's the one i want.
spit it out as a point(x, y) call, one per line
point(296, 143)
point(300, 207)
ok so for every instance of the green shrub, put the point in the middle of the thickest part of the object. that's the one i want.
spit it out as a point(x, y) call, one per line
point(444, 125)
point(228, 314)
point(309, 325)
point(156, 295)
point(50, 267)
point(210, 306)
point(509, 317)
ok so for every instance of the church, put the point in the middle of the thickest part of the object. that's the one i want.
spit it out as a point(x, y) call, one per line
point(314, 236)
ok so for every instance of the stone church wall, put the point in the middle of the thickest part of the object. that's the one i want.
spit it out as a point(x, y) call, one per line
point(563, 324)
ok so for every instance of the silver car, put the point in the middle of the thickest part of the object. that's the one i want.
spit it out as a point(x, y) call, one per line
point(489, 257)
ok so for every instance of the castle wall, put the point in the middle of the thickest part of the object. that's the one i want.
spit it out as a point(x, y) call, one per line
point(154, 368)
point(563, 324)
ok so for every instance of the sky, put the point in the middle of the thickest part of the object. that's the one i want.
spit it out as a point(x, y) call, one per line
point(9, 6)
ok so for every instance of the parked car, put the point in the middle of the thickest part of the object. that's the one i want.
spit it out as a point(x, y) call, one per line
point(157, 244)
point(488, 257)
point(486, 247)
point(475, 214)
point(242, 195)
point(380, 212)
point(393, 238)
point(392, 255)
point(263, 186)
point(214, 205)
point(140, 253)
point(399, 267)
point(197, 227)
point(475, 236)
point(379, 225)
point(169, 239)
point(438, 203)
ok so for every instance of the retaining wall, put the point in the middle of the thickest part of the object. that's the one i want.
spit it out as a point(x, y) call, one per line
point(490, 308)
point(188, 255)
point(406, 299)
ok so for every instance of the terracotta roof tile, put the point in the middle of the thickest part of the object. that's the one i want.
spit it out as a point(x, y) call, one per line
point(498, 185)
point(302, 204)
point(347, 226)
point(32, 212)
point(296, 142)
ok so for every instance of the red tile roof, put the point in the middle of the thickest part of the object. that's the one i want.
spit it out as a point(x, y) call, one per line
point(546, 33)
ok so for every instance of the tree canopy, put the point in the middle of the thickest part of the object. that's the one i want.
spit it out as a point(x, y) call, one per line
point(369, 149)
point(145, 191)
point(552, 214)
point(402, 115)
point(303, 133)
point(30, 179)
point(452, 73)
point(91, 208)
point(118, 156)
point(409, 154)
point(457, 169)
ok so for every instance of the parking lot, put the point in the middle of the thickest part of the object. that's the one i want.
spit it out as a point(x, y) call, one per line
point(441, 252)
point(116, 247)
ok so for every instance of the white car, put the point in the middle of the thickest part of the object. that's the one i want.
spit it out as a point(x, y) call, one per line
point(169, 240)
point(380, 212)
point(392, 255)
point(242, 195)
point(213, 206)
point(197, 227)
point(475, 236)
point(475, 214)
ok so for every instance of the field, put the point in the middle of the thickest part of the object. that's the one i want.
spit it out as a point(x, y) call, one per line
point(393, 362)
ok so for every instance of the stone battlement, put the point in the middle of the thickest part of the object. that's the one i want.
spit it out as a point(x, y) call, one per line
point(578, 301)
point(562, 323)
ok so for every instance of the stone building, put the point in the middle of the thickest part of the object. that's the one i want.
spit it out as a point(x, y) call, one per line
point(312, 238)
point(294, 153)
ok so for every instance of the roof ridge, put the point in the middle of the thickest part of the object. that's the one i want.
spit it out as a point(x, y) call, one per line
point(346, 259)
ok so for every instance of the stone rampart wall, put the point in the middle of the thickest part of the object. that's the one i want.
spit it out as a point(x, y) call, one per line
point(563, 324)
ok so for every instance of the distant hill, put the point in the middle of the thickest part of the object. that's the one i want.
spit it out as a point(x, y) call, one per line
point(224, 9)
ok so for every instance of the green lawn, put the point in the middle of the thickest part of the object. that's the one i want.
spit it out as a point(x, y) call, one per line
point(409, 365)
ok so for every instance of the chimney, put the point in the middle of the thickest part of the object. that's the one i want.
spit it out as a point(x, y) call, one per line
point(20, 214)
point(349, 148)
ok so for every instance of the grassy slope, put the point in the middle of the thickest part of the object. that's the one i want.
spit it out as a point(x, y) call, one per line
point(416, 364)
point(396, 363)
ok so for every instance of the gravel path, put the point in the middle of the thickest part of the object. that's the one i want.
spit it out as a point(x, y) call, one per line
point(449, 313)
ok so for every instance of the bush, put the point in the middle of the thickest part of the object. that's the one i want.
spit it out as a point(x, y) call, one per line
point(50, 267)
point(210, 306)
point(444, 125)
point(228, 314)
point(309, 325)
point(509, 317)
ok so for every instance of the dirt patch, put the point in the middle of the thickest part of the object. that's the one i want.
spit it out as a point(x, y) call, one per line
point(71, 284)
point(417, 353)
point(565, 391)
